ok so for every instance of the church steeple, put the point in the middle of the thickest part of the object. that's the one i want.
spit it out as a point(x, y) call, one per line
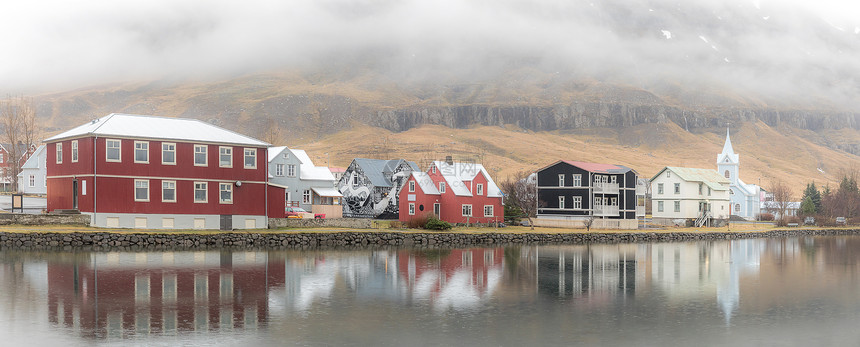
point(728, 155)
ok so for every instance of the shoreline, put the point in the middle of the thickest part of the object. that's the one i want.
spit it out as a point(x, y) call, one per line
point(356, 239)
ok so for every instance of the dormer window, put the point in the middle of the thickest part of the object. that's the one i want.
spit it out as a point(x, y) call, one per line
point(728, 175)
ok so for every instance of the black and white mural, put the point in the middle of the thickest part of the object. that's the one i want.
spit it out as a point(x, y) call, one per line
point(370, 187)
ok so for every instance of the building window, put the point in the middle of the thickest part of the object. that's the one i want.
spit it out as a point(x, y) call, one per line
point(488, 210)
point(112, 150)
point(700, 189)
point(677, 188)
point(306, 196)
point(291, 172)
point(75, 151)
point(168, 191)
point(668, 174)
point(433, 169)
point(168, 153)
point(141, 152)
point(728, 175)
point(441, 187)
point(226, 195)
point(561, 180)
point(225, 156)
point(560, 202)
point(32, 180)
point(1, 158)
point(279, 169)
point(141, 190)
point(577, 180)
point(577, 202)
point(411, 186)
point(709, 191)
point(467, 210)
point(200, 192)
point(613, 201)
point(200, 157)
point(659, 206)
point(677, 206)
point(737, 207)
point(613, 179)
point(480, 189)
point(411, 208)
point(659, 188)
point(59, 153)
point(250, 158)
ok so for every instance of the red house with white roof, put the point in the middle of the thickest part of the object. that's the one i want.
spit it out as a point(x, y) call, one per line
point(455, 192)
point(133, 171)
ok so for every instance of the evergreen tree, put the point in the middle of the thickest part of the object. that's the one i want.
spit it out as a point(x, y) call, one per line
point(811, 192)
point(807, 207)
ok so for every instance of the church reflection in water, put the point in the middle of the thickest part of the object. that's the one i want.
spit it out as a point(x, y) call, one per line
point(123, 295)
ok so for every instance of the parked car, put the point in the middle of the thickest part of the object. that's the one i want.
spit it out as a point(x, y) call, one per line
point(298, 212)
point(809, 221)
point(841, 220)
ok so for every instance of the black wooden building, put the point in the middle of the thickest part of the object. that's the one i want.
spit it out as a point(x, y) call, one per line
point(573, 189)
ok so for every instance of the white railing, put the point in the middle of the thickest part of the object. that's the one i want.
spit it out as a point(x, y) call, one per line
point(605, 210)
point(605, 188)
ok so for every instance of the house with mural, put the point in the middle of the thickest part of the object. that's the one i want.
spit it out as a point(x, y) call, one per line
point(133, 171)
point(689, 196)
point(746, 198)
point(307, 186)
point(33, 176)
point(454, 192)
point(573, 193)
point(370, 187)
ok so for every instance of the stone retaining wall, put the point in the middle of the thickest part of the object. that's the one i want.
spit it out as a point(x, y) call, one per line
point(352, 223)
point(155, 241)
point(44, 219)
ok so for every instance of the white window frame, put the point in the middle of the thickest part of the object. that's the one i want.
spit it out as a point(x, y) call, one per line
point(205, 188)
point(32, 180)
point(59, 152)
point(291, 171)
point(613, 179)
point(225, 188)
point(677, 188)
point(171, 148)
point(660, 188)
point(225, 151)
point(108, 148)
point(141, 146)
point(164, 188)
point(466, 209)
point(561, 202)
point(205, 152)
point(74, 151)
point(480, 189)
point(577, 202)
point(613, 201)
point(561, 180)
point(146, 186)
point(488, 211)
point(433, 169)
point(660, 206)
point(677, 206)
point(279, 170)
point(2, 156)
point(577, 180)
point(411, 208)
point(250, 153)
point(306, 196)
point(441, 187)
point(411, 186)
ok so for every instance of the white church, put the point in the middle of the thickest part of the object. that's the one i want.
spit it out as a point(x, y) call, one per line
point(745, 198)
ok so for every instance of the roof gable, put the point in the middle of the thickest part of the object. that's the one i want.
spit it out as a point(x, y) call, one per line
point(425, 183)
point(457, 173)
point(709, 177)
point(375, 169)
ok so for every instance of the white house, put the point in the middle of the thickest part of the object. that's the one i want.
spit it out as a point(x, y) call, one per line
point(680, 195)
point(745, 197)
point(307, 186)
point(32, 179)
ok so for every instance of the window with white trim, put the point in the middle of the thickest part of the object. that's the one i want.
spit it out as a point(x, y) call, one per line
point(226, 192)
point(306, 196)
point(467, 210)
point(168, 153)
point(32, 180)
point(291, 171)
point(480, 189)
point(141, 152)
point(113, 151)
point(577, 202)
point(411, 186)
point(141, 190)
point(659, 206)
point(250, 158)
point(677, 206)
point(659, 188)
point(488, 210)
point(577, 180)
point(200, 155)
point(279, 169)
point(411, 208)
point(168, 191)
point(433, 169)
point(677, 188)
point(225, 156)
point(613, 201)
point(1, 158)
point(561, 180)
point(74, 151)
point(59, 153)
point(200, 192)
point(441, 187)
point(560, 202)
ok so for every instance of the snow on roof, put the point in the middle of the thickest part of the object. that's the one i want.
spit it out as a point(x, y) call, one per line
point(456, 173)
point(274, 152)
point(327, 191)
point(152, 127)
point(33, 161)
point(425, 183)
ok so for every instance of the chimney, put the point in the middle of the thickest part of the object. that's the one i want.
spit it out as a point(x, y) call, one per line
point(449, 160)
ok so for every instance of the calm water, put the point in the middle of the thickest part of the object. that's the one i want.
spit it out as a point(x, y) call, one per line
point(795, 291)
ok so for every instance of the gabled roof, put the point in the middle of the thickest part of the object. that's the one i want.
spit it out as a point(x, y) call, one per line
point(595, 167)
point(33, 161)
point(425, 183)
point(456, 173)
point(307, 170)
point(374, 169)
point(274, 152)
point(710, 177)
point(20, 148)
point(162, 128)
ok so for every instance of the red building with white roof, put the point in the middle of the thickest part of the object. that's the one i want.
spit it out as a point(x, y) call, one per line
point(455, 192)
point(133, 171)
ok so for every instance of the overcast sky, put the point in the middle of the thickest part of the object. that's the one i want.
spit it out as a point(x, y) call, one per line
point(771, 45)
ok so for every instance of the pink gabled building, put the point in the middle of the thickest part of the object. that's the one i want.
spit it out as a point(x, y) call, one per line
point(455, 192)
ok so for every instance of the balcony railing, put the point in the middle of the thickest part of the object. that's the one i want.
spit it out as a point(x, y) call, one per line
point(605, 210)
point(605, 188)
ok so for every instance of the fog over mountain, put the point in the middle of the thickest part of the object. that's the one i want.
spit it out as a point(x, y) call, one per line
point(777, 53)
